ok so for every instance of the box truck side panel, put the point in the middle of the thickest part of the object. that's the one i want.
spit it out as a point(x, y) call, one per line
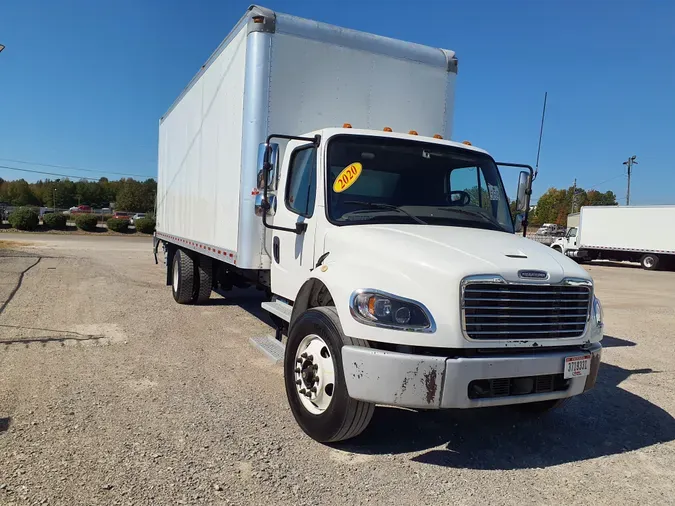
point(360, 79)
point(648, 229)
point(200, 143)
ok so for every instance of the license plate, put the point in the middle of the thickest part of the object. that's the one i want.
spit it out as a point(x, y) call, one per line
point(577, 367)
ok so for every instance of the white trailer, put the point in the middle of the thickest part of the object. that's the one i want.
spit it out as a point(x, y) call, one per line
point(642, 234)
point(388, 252)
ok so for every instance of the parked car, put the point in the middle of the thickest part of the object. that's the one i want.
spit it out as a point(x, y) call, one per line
point(121, 215)
point(136, 217)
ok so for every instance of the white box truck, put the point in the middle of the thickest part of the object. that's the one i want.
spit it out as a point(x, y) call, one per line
point(388, 252)
point(644, 234)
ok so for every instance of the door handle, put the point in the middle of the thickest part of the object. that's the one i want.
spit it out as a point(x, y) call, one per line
point(275, 248)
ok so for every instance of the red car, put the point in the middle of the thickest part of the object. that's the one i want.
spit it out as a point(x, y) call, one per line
point(121, 215)
point(84, 209)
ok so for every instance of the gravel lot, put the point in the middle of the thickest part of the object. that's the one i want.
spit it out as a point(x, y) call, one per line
point(110, 393)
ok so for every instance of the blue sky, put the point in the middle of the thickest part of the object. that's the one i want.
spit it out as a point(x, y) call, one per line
point(83, 83)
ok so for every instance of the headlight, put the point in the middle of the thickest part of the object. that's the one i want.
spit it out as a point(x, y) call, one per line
point(381, 309)
point(598, 317)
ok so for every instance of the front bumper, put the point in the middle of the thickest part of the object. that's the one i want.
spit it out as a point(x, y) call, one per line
point(420, 381)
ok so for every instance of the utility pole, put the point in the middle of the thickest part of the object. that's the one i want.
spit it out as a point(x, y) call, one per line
point(54, 201)
point(574, 194)
point(629, 164)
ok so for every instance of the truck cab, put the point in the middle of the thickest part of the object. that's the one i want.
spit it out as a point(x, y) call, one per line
point(567, 244)
point(400, 280)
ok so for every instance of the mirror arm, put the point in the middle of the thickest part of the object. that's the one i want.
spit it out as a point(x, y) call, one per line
point(300, 228)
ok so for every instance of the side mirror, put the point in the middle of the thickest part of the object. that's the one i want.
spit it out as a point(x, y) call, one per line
point(272, 170)
point(260, 204)
point(523, 190)
point(518, 222)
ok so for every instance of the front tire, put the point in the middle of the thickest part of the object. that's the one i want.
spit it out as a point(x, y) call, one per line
point(183, 278)
point(650, 262)
point(314, 378)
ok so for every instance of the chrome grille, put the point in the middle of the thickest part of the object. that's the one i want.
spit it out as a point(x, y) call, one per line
point(500, 310)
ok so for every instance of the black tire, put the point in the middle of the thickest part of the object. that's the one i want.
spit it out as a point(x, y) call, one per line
point(650, 262)
point(541, 408)
point(204, 279)
point(345, 417)
point(183, 278)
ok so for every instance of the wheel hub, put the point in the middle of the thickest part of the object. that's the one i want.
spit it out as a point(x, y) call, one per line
point(308, 372)
point(314, 374)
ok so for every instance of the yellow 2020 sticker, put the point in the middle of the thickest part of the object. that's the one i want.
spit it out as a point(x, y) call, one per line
point(347, 177)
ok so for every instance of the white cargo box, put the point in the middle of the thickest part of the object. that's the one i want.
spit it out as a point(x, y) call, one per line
point(646, 229)
point(276, 73)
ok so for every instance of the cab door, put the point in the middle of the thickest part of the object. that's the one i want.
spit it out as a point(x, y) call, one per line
point(293, 254)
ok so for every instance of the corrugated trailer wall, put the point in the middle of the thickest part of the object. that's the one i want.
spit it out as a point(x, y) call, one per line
point(200, 154)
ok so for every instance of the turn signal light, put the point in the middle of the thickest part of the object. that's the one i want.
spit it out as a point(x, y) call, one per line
point(467, 143)
point(347, 125)
point(387, 129)
point(412, 132)
point(438, 136)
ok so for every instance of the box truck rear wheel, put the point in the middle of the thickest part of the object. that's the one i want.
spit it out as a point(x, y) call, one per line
point(204, 279)
point(183, 278)
point(650, 262)
point(314, 378)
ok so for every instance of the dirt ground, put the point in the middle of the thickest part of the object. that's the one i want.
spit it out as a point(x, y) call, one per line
point(111, 393)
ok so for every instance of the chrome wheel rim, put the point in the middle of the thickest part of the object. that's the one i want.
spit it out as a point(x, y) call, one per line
point(314, 374)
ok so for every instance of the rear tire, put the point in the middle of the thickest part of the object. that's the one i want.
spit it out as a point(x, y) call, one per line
point(204, 279)
point(335, 416)
point(183, 278)
point(541, 408)
point(650, 262)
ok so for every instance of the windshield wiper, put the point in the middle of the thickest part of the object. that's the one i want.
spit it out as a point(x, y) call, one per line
point(387, 206)
point(484, 217)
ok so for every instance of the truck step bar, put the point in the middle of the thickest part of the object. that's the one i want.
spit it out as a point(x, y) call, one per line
point(278, 308)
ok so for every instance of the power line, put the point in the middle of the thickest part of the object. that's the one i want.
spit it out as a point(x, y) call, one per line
point(72, 168)
point(49, 173)
point(606, 181)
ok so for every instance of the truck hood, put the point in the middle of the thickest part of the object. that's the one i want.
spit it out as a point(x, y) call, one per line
point(451, 252)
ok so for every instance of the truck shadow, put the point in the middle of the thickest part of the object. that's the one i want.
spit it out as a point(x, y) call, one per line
point(616, 342)
point(605, 421)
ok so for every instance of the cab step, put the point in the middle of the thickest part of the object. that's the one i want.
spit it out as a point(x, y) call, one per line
point(278, 308)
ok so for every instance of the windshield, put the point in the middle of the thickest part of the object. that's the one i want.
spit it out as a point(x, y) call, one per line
point(384, 180)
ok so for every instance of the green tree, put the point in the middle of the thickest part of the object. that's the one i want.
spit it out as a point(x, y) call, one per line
point(18, 193)
point(136, 196)
point(554, 205)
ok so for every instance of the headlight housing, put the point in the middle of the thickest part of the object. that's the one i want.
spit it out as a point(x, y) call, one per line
point(381, 309)
point(598, 316)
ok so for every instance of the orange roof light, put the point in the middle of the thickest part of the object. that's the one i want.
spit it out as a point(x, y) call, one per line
point(467, 143)
point(438, 136)
point(412, 132)
point(387, 129)
point(347, 125)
